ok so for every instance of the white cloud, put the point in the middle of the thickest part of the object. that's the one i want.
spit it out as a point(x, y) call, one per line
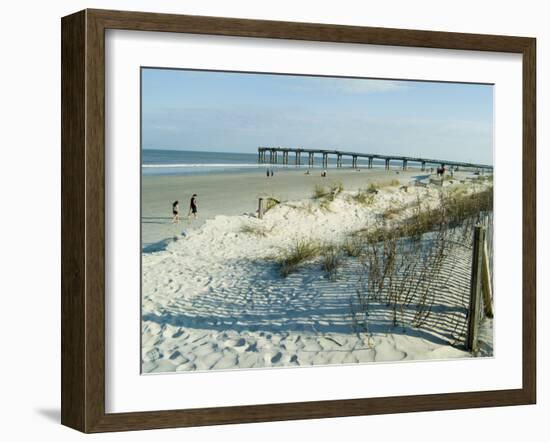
point(350, 85)
point(368, 86)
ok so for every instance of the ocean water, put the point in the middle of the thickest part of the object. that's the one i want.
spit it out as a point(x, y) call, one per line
point(189, 162)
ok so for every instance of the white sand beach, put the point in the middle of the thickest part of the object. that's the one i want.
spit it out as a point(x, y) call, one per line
point(214, 298)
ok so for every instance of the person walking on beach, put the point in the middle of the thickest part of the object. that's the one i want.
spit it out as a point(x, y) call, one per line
point(267, 172)
point(175, 212)
point(271, 172)
point(193, 206)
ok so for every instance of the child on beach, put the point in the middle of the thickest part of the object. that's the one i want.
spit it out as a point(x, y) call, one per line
point(175, 212)
point(193, 206)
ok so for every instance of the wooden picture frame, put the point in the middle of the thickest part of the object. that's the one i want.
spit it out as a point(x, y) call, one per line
point(83, 220)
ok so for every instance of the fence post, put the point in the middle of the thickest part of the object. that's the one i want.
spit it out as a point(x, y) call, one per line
point(475, 289)
point(260, 208)
point(487, 288)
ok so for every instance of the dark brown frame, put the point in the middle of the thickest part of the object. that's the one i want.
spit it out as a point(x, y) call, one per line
point(83, 216)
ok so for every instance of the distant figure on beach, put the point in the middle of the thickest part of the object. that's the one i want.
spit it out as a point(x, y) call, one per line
point(267, 172)
point(307, 172)
point(324, 173)
point(175, 212)
point(193, 206)
point(271, 172)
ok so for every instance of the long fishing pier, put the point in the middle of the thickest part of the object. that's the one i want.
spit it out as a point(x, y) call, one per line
point(270, 155)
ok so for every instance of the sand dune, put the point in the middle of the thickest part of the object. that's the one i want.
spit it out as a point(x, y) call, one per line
point(238, 193)
point(214, 299)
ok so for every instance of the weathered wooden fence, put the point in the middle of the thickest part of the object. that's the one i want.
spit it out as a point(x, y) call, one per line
point(481, 293)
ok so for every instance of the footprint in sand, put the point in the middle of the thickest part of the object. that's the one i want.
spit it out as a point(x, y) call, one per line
point(252, 347)
point(237, 344)
point(208, 361)
point(188, 366)
point(149, 367)
point(178, 359)
point(226, 362)
point(248, 360)
point(180, 332)
point(153, 355)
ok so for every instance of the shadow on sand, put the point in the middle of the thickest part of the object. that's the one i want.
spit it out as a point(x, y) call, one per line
point(308, 302)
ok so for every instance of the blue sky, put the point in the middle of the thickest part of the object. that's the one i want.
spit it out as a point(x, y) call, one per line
point(237, 112)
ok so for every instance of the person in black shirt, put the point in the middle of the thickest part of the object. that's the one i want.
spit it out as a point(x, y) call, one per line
point(193, 206)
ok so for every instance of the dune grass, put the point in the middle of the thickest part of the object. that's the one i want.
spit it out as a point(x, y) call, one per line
point(271, 202)
point(326, 195)
point(319, 191)
point(353, 247)
point(364, 197)
point(393, 210)
point(331, 261)
point(254, 229)
point(374, 187)
point(336, 188)
point(301, 251)
point(455, 208)
point(307, 250)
